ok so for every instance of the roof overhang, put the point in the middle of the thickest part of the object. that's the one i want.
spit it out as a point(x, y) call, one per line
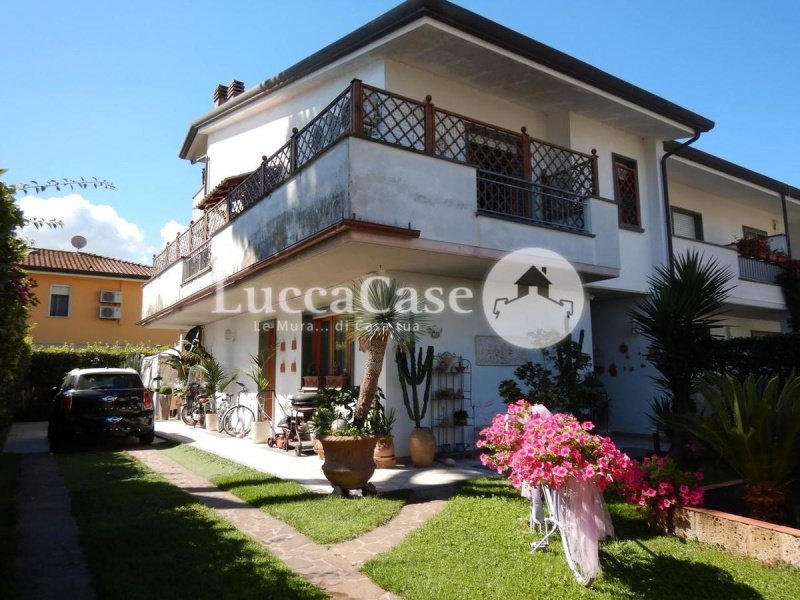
point(425, 22)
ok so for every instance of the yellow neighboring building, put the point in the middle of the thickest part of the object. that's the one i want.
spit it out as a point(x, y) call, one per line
point(85, 298)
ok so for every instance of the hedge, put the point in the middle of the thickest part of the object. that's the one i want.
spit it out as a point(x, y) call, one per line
point(777, 354)
point(49, 364)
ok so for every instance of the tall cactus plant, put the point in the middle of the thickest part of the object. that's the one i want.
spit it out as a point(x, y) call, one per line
point(412, 373)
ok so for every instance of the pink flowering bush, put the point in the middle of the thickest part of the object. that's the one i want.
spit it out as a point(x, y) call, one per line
point(532, 446)
point(658, 483)
point(539, 448)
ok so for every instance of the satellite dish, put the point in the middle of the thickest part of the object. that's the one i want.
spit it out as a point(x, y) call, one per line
point(78, 242)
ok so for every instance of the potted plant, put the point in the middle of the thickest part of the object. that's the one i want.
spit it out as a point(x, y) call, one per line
point(374, 322)
point(339, 379)
point(178, 395)
point(381, 423)
point(216, 380)
point(753, 247)
point(460, 418)
point(164, 402)
point(414, 371)
point(260, 431)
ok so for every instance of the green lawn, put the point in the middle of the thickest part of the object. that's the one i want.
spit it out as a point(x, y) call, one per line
point(9, 486)
point(145, 538)
point(321, 517)
point(478, 547)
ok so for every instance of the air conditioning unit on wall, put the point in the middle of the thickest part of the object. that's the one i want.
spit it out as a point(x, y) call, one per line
point(111, 296)
point(109, 312)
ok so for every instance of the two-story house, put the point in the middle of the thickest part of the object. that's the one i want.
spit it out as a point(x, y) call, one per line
point(427, 145)
point(86, 298)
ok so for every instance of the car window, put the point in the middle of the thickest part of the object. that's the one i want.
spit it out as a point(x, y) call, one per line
point(68, 383)
point(108, 381)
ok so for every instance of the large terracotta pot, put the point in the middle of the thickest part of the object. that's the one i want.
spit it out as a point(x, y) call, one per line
point(384, 453)
point(421, 446)
point(319, 449)
point(349, 459)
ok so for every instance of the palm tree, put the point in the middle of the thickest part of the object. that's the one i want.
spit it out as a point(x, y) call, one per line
point(754, 426)
point(683, 304)
point(377, 319)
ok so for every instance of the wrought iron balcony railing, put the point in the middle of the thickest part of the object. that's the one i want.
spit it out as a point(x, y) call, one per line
point(518, 176)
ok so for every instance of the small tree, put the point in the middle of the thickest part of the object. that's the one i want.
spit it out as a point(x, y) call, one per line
point(381, 313)
point(676, 317)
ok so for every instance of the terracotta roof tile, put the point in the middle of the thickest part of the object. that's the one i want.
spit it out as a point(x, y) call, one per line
point(45, 259)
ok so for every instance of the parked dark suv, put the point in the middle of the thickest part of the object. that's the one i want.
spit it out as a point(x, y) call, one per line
point(95, 402)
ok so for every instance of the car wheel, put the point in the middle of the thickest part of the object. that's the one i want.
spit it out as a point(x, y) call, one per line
point(147, 438)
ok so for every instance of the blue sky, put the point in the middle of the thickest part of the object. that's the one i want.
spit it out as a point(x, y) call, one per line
point(108, 89)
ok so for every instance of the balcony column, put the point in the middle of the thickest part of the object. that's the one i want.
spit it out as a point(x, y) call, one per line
point(430, 126)
point(357, 106)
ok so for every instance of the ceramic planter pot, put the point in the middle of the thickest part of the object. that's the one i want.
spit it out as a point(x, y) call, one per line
point(259, 432)
point(349, 462)
point(421, 446)
point(384, 453)
point(212, 420)
point(313, 381)
point(337, 381)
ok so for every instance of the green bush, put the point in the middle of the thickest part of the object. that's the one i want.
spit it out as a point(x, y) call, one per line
point(769, 355)
point(49, 364)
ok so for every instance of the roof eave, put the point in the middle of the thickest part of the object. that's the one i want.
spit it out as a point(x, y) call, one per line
point(473, 24)
point(724, 166)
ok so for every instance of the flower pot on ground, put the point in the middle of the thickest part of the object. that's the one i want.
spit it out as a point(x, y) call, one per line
point(212, 420)
point(318, 448)
point(349, 462)
point(421, 447)
point(260, 432)
point(384, 453)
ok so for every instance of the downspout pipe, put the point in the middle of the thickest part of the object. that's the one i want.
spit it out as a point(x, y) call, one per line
point(786, 225)
point(665, 190)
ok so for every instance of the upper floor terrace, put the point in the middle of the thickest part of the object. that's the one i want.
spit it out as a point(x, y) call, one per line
point(375, 157)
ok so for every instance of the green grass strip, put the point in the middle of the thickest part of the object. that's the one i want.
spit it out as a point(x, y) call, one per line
point(323, 518)
point(144, 538)
point(9, 542)
point(478, 547)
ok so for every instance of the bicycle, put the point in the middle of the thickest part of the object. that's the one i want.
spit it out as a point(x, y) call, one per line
point(238, 419)
point(223, 407)
point(193, 411)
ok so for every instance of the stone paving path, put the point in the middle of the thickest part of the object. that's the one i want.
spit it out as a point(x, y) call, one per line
point(50, 563)
point(333, 569)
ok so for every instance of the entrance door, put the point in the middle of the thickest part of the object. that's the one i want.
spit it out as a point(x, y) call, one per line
point(266, 344)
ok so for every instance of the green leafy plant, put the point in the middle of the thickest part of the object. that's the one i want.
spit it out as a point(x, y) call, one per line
point(753, 246)
point(382, 312)
point(413, 371)
point(754, 426)
point(460, 417)
point(258, 375)
point(216, 378)
point(165, 389)
point(789, 280)
point(382, 421)
point(676, 318)
point(338, 404)
point(563, 382)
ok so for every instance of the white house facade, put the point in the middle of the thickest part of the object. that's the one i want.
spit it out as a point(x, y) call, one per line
point(426, 146)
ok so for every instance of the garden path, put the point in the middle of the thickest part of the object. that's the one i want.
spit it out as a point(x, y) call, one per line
point(335, 569)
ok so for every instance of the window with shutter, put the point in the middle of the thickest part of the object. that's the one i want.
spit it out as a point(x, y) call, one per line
point(59, 300)
point(687, 224)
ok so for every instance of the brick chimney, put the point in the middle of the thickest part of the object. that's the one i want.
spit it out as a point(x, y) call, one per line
point(235, 88)
point(220, 95)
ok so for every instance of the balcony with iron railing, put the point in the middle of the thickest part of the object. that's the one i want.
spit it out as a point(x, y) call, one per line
point(755, 279)
point(518, 177)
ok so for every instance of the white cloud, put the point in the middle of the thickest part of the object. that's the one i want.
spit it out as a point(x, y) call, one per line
point(170, 230)
point(107, 233)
